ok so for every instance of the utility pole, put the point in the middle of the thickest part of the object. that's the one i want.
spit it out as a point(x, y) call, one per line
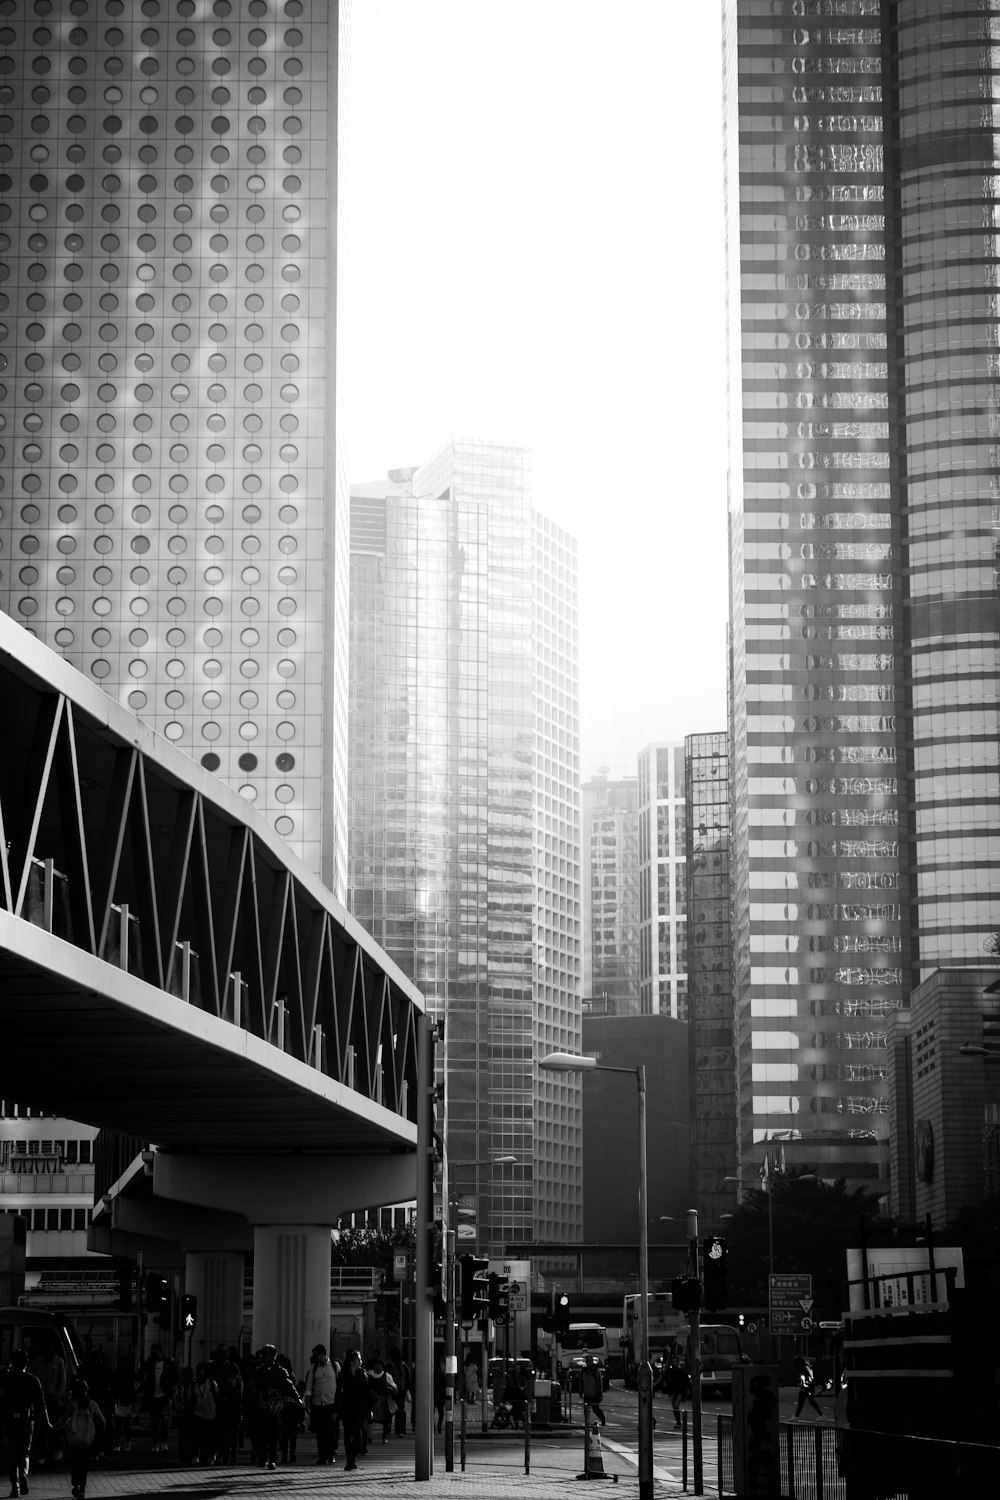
point(423, 1306)
point(694, 1354)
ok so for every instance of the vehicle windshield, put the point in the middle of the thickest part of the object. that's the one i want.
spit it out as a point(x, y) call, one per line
point(582, 1338)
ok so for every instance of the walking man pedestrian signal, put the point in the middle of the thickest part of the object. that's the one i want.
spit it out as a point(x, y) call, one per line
point(189, 1313)
point(715, 1271)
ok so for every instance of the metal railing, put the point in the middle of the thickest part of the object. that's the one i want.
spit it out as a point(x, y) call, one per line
point(820, 1462)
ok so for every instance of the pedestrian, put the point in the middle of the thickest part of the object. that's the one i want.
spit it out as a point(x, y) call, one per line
point(100, 1382)
point(321, 1399)
point(675, 1382)
point(592, 1387)
point(228, 1407)
point(382, 1389)
point(203, 1415)
point(473, 1389)
point(158, 1379)
point(22, 1404)
point(50, 1369)
point(273, 1384)
point(401, 1372)
point(125, 1390)
point(291, 1414)
point(807, 1386)
point(83, 1425)
point(354, 1403)
point(440, 1389)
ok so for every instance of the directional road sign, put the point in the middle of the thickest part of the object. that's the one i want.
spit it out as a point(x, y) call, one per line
point(791, 1301)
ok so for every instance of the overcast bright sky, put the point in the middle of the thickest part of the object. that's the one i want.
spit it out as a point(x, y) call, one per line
point(534, 252)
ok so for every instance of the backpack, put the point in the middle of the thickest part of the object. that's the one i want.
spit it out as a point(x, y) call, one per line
point(81, 1431)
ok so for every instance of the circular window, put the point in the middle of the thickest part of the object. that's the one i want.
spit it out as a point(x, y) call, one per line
point(211, 761)
point(174, 731)
point(248, 730)
point(137, 701)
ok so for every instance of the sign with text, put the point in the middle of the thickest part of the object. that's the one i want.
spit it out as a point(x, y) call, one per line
point(518, 1275)
point(791, 1300)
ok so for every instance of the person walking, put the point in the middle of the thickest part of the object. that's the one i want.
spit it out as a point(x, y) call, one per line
point(292, 1408)
point(50, 1369)
point(354, 1401)
point(84, 1425)
point(158, 1378)
point(22, 1404)
point(321, 1400)
point(204, 1413)
point(807, 1387)
point(592, 1387)
point(228, 1407)
point(675, 1382)
point(382, 1389)
point(401, 1373)
point(273, 1385)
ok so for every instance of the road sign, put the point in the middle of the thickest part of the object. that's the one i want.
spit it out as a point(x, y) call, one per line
point(518, 1274)
point(791, 1302)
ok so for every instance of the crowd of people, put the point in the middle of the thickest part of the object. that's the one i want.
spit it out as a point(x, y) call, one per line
point(220, 1409)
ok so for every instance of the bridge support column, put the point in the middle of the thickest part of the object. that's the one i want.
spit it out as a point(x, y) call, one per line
point(216, 1279)
point(291, 1289)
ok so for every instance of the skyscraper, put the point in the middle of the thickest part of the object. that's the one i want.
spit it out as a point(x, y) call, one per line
point(169, 472)
point(611, 894)
point(662, 883)
point(464, 793)
point(863, 195)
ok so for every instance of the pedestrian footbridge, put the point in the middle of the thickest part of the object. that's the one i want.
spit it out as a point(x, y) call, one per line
point(168, 970)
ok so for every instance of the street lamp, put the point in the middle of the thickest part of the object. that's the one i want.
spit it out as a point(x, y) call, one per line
point(988, 1054)
point(572, 1062)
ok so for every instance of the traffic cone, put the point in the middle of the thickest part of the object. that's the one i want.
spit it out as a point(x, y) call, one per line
point(595, 1454)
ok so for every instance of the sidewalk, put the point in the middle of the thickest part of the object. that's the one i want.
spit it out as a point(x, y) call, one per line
point(491, 1471)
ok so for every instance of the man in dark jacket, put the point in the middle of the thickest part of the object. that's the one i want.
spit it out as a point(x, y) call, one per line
point(21, 1402)
point(272, 1387)
point(354, 1400)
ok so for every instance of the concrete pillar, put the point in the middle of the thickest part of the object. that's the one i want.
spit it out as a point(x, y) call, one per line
point(291, 1289)
point(215, 1277)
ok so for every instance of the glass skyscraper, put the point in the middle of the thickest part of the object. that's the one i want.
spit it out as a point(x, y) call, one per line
point(863, 196)
point(611, 894)
point(464, 794)
point(168, 466)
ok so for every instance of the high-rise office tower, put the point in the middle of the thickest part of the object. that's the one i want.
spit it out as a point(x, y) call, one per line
point(712, 1073)
point(863, 188)
point(611, 894)
point(464, 794)
point(662, 883)
point(169, 473)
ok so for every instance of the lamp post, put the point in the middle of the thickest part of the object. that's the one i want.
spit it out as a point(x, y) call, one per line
point(571, 1062)
point(450, 1357)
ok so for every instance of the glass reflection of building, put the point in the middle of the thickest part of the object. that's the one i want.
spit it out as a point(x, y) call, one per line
point(863, 193)
point(712, 1088)
point(611, 894)
point(464, 792)
point(662, 883)
point(169, 465)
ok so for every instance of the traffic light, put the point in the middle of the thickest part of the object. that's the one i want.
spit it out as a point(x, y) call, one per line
point(475, 1298)
point(499, 1298)
point(685, 1294)
point(714, 1272)
point(158, 1298)
point(562, 1315)
point(189, 1313)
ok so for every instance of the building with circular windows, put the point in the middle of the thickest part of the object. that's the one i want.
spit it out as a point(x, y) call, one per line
point(167, 452)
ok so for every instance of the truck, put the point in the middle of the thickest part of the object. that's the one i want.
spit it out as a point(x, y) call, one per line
point(667, 1331)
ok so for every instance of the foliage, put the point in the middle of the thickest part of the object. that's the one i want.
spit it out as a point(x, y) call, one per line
point(814, 1224)
point(370, 1245)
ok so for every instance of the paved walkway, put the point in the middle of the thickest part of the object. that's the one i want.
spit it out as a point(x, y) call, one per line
point(491, 1470)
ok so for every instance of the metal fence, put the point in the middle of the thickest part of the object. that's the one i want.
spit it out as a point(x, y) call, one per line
point(820, 1462)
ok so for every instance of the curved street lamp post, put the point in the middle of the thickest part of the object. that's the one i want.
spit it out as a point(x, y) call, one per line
point(571, 1062)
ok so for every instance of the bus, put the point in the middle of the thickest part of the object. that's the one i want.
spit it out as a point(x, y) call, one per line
point(667, 1328)
point(576, 1343)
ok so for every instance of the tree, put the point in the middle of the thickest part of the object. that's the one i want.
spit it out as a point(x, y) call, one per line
point(815, 1223)
point(370, 1245)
